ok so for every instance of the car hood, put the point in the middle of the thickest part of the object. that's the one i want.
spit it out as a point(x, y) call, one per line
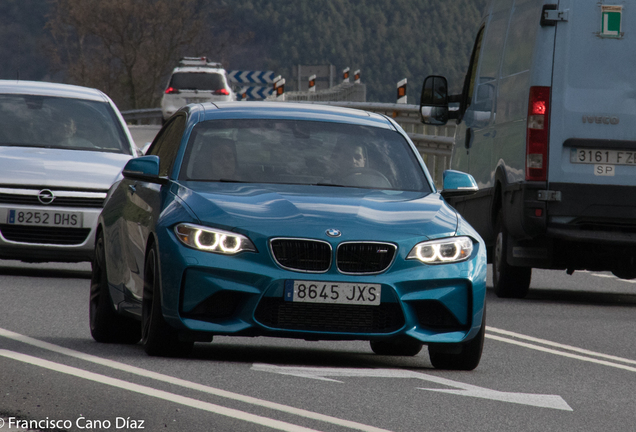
point(297, 210)
point(43, 167)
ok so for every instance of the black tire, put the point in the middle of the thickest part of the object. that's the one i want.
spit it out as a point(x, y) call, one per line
point(158, 337)
point(625, 269)
point(403, 347)
point(509, 281)
point(627, 274)
point(465, 356)
point(106, 324)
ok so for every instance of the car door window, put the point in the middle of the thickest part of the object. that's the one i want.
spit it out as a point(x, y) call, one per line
point(167, 143)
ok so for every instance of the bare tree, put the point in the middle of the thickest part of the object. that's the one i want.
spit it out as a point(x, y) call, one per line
point(126, 47)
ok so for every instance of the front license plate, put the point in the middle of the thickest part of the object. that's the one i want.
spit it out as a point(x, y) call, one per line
point(332, 292)
point(606, 157)
point(44, 218)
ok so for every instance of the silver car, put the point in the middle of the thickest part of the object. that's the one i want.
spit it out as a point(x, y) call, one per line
point(61, 148)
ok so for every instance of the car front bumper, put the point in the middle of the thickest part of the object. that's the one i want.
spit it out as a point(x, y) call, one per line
point(59, 242)
point(242, 295)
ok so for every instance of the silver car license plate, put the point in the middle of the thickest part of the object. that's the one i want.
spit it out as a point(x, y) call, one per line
point(45, 218)
point(332, 292)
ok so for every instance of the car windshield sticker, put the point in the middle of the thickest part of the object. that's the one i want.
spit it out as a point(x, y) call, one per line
point(611, 21)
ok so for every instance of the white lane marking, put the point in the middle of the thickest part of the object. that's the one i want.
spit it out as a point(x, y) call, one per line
point(538, 400)
point(159, 394)
point(187, 384)
point(558, 345)
point(561, 353)
point(602, 275)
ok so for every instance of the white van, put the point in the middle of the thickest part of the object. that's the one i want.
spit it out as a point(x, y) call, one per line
point(547, 127)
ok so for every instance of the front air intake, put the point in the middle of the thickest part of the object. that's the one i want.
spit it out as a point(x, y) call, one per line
point(279, 314)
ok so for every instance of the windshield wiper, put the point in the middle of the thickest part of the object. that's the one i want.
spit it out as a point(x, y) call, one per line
point(328, 184)
point(231, 181)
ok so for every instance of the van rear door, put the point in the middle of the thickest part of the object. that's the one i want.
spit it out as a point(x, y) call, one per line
point(593, 101)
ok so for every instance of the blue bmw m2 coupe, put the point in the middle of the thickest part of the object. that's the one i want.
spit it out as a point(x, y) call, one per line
point(288, 220)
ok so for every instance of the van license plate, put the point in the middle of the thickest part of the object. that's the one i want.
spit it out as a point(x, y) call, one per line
point(332, 292)
point(607, 157)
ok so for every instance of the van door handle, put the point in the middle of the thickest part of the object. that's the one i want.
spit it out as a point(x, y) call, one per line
point(132, 188)
point(469, 138)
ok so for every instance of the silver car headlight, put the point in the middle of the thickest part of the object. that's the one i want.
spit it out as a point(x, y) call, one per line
point(213, 240)
point(443, 251)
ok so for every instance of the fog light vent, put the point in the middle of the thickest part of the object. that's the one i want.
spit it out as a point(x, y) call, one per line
point(433, 314)
point(217, 307)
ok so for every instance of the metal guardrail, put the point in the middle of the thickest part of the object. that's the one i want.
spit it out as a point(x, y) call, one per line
point(343, 92)
point(435, 143)
point(142, 114)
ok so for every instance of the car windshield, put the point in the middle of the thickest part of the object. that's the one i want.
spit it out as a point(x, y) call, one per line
point(197, 81)
point(302, 152)
point(55, 122)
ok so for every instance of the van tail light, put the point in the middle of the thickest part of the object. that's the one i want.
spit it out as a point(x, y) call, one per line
point(537, 134)
point(222, 91)
point(170, 90)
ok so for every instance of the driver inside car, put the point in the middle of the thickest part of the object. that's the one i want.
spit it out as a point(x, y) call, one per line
point(347, 156)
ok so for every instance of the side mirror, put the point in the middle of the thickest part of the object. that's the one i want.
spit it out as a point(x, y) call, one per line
point(457, 183)
point(434, 101)
point(144, 168)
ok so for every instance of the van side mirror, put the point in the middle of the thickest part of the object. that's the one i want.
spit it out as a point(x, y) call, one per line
point(434, 101)
point(457, 183)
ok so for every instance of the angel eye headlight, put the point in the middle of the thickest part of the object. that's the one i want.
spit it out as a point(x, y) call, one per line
point(443, 251)
point(213, 240)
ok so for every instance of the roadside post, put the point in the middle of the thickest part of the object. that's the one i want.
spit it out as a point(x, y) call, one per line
point(312, 83)
point(345, 75)
point(279, 88)
point(356, 77)
point(401, 91)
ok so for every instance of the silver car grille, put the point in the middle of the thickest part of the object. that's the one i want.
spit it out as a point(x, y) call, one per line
point(44, 235)
point(60, 198)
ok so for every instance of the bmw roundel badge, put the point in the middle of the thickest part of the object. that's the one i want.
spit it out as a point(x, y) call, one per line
point(333, 232)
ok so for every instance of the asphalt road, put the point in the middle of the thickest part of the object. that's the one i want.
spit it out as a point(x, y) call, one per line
point(143, 134)
point(563, 359)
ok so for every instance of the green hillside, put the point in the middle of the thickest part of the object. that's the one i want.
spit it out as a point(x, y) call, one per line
point(388, 40)
point(22, 36)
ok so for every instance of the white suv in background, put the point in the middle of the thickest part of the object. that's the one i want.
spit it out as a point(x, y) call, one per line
point(195, 80)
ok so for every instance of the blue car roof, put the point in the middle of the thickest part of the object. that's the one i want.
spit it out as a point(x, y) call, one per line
point(291, 111)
